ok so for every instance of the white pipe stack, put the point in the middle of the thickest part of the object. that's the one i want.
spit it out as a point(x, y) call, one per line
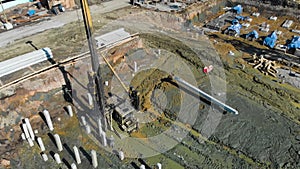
point(94, 159)
point(23, 61)
point(29, 128)
point(77, 156)
point(70, 111)
point(45, 157)
point(57, 158)
point(73, 166)
point(48, 120)
point(24, 126)
point(41, 144)
point(58, 142)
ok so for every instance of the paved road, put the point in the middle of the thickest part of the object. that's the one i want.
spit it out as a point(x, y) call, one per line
point(58, 21)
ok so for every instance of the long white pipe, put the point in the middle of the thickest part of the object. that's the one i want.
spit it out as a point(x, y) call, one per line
point(58, 142)
point(45, 157)
point(29, 128)
point(48, 120)
point(23, 61)
point(73, 166)
point(30, 142)
point(94, 159)
point(207, 96)
point(77, 156)
point(57, 158)
point(41, 144)
point(70, 111)
point(24, 126)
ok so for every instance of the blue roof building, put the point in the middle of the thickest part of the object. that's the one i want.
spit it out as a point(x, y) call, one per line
point(238, 9)
point(253, 34)
point(295, 43)
point(270, 40)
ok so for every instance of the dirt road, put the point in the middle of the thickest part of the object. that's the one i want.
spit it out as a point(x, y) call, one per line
point(9, 37)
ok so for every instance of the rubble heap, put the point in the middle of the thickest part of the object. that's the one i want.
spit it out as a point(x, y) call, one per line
point(266, 66)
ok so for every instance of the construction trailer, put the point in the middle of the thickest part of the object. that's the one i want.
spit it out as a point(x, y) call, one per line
point(270, 40)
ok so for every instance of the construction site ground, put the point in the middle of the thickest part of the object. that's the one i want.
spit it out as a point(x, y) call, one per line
point(265, 134)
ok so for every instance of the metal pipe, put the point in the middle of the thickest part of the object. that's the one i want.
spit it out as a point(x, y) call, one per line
point(207, 96)
point(41, 144)
point(83, 120)
point(121, 155)
point(30, 142)
point(88, 129)
point(29, 128)
point(45, 157)
point(94, 159)
point(58, 142)
point(70, 111)
point(25, 131)
point(48, 120)
point(73, 166)
point(77, 156)
point(90, 99)
point(135, 67)
point(57, 158)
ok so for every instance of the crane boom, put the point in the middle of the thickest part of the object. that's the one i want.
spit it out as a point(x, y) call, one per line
point(96, 72)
